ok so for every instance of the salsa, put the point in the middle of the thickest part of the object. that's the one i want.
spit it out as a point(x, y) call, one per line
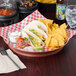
point(6, 11)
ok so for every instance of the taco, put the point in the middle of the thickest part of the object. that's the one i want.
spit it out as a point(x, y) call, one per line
point(37, 43)
point(38, 24)
point(38, 32)
point(23, 41)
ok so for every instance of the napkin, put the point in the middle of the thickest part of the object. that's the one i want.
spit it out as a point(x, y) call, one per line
point(7, 66)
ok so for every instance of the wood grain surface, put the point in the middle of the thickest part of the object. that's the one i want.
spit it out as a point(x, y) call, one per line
point(61, 64)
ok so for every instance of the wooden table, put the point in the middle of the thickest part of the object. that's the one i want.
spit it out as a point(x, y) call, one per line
point(61, 64)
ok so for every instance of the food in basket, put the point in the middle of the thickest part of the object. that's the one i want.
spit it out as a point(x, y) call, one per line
point(38, 24)
point(40, 33)
point(47, 1)
point(6, 12)
point(13, 36)
point(34, 34)
point(22, 42)
point(35, 40)
point(57, 35)
point(27, 3)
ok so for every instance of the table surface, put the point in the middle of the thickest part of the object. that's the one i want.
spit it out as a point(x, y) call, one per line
point(61, 64)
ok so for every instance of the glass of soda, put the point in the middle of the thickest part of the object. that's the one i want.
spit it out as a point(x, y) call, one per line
point(71, 13)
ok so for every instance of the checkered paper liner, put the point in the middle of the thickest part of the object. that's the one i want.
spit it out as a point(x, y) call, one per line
point(4, 31)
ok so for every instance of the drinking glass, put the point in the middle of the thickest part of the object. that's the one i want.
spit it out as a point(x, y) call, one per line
point(6, 3)
point(71, 13)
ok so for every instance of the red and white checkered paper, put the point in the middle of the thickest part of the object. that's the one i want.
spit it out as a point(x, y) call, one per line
point(4, 31)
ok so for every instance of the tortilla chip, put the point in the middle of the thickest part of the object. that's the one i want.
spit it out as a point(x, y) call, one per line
point(53, 42)
point(48, 40)
point(46, 21)
point(63, 26)
point(47, 1)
